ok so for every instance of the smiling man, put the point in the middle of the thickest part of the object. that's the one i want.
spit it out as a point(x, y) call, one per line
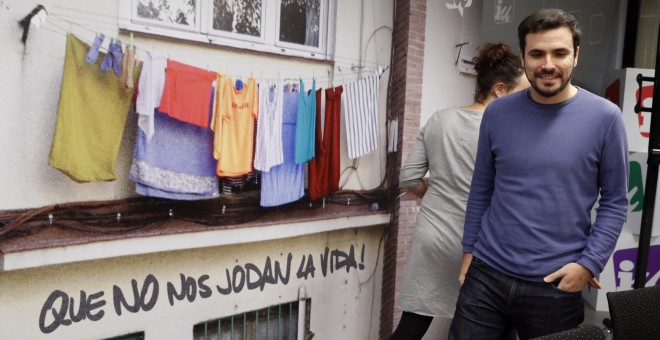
point(545, 155)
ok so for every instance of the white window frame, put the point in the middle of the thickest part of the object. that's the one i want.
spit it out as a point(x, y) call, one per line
point(322, 29)
point(203, 30)
point(230, 35)
point(156, 23)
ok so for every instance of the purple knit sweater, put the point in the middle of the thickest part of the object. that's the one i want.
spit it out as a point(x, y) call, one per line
point(538, 173)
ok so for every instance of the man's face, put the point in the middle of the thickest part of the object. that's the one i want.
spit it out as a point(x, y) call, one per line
point(549, 61)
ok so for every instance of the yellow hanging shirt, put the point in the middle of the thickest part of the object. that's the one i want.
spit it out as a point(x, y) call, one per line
point(233, 123)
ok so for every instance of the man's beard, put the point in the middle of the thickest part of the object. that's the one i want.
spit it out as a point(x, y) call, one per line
point(549, 93)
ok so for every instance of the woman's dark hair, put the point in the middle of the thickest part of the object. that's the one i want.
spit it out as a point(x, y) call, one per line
point(495, 63)
point(547, 19)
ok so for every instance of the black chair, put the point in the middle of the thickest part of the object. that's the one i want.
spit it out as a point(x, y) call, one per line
point(582, 332)
point(635, 313)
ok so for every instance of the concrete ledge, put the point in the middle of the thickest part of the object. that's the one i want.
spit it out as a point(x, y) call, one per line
point(147, 244)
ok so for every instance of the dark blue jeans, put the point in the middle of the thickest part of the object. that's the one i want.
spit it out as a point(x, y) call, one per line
point(490, 302)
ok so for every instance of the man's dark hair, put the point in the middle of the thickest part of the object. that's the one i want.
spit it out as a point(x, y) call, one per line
point(547, 19)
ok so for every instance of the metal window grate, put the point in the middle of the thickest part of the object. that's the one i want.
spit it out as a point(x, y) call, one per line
point(133, 336)
point(278, 322)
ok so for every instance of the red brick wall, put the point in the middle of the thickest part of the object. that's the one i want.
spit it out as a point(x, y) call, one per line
point(406, 101)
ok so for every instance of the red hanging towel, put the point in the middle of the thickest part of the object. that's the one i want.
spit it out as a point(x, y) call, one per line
point(187, 93)
point(324, 167)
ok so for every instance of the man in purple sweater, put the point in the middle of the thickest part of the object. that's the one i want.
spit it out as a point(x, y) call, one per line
point(545, 156)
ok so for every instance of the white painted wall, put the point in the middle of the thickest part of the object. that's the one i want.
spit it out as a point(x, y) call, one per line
point(444, 86)
point(369, 43)
point(345, 304)
point(31, 77)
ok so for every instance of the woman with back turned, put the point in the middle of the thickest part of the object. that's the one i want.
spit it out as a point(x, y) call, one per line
point(446, 148)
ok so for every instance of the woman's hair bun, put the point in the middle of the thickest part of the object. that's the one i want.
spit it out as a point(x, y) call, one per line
point(490, 55)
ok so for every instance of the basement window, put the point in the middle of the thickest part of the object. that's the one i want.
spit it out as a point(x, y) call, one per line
point(273, 322)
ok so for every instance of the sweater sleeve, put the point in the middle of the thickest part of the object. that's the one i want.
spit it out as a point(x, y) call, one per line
point(481, 189)
point(613, 201)
point(416, 166)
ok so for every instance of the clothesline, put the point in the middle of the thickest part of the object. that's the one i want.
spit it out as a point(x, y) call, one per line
point(180, 113)
point(347, 70)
